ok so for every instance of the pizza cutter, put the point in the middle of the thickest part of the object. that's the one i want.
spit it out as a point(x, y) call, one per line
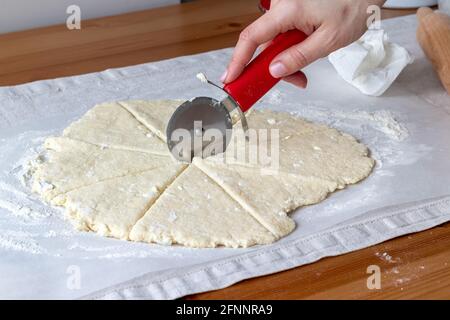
point(201, 127)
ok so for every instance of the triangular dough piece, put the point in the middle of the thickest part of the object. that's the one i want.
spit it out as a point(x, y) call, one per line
point(267, 197)
point(194, 211)
point(113, 206)
point(154, 114)
point(71, 164)
point(111, 125)
point(305, 149)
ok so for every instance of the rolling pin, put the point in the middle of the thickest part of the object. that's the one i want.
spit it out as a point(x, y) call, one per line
point(433, 35)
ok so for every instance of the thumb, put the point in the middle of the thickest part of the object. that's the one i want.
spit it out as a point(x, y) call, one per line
point(299, 56)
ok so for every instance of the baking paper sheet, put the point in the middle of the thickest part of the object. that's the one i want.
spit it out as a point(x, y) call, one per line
point(407, 130)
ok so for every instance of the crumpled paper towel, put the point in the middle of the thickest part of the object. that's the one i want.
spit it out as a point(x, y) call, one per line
point(372, 63)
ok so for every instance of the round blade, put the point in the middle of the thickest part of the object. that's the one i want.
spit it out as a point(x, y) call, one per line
point(199, 128)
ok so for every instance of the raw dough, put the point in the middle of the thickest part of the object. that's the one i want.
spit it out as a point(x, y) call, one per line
point(112, 171)
point(112, 207)
point(196, 212)
point(110, 124)
point(154, 115)
point(72, 164)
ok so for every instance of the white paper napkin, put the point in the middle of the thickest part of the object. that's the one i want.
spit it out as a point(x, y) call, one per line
point(372, 63)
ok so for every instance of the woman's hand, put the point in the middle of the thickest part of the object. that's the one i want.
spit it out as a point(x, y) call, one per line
point(330, 24)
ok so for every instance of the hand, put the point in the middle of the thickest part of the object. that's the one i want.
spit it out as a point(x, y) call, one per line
point(330, 25)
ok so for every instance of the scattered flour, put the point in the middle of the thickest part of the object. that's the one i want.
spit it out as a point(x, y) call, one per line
point(45, 186)
point(59, 233)
point(121, 251)
point(383, 121)
point(271, 121)
point(172, 216)
point(383, 131)
point(401, 281)
point(21, 243)
point(387, 257)
point(395, 270)
point(78, 246)
point(129, 254)
point(23, 212)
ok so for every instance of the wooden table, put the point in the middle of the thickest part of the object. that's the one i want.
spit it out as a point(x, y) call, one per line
point(414, 266)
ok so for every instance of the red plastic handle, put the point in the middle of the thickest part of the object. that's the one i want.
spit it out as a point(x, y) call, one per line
point(265, 4)
point(256, 80)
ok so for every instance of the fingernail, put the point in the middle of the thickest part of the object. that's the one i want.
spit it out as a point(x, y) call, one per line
point(277, 69)
point(224, 76)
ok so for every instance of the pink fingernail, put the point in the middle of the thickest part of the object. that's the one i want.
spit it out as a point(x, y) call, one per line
point(224, 76)
point(277, 70)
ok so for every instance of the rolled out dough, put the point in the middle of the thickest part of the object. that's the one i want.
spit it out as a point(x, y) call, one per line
point(112, 172)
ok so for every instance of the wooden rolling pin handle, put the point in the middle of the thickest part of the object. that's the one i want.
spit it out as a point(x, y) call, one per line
point(433, 35)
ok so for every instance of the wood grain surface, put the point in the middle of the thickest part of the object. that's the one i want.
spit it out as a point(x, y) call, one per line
point(413, 266)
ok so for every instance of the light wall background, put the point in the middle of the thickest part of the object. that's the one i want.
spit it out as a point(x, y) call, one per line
point(16, 15)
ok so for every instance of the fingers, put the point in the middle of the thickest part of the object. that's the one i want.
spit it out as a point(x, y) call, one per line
point(299, 56)
point(298, 79)
point(259, 32)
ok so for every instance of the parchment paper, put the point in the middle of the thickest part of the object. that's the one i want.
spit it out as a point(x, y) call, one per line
point(407, 130)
